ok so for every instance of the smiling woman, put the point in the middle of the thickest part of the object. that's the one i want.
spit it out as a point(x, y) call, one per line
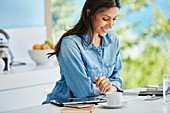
point(87, 51)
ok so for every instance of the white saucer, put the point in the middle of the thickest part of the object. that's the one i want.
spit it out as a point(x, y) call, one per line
point(105, 105)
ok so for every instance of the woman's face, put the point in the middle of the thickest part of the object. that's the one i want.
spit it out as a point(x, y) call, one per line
point(104, 21)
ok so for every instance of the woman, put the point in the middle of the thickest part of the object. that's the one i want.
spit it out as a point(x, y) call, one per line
point(89, 54)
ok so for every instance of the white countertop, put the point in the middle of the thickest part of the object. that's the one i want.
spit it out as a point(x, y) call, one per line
point(28, 75)
point(142, 106)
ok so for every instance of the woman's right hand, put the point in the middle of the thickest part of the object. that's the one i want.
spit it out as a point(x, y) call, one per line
point(103, 84)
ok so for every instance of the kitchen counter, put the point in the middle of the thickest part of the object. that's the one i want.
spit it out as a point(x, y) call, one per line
point(26, 86)
point(135, 105)
point(28, 75)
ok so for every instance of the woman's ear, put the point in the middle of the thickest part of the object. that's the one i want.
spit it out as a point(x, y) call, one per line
point(88, 11)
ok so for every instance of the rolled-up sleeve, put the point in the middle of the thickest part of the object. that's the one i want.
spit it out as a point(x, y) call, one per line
point(116, 75)
point(74, 71)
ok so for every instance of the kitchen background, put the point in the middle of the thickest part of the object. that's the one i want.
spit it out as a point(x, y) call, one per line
point(24, 21)
point(143, 27)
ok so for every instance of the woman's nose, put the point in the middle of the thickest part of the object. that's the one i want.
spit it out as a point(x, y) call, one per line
point(111, 24)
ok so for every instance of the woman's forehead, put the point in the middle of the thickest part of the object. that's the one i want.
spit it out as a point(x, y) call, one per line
point(110, 12)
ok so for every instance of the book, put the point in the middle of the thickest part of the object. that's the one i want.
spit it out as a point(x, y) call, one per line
point(79, 110)
point(151, 93)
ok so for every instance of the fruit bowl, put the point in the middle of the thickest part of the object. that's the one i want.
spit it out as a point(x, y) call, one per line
point(40, 57)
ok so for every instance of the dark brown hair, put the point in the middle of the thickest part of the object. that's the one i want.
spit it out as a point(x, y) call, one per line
point(84, 25)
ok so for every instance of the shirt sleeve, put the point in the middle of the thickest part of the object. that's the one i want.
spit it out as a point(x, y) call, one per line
point(116, 75)
point(73, 69)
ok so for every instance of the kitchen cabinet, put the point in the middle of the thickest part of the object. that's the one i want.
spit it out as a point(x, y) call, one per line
point(26, 86)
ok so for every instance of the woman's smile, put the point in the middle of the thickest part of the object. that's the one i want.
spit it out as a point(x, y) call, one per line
point(105, 30)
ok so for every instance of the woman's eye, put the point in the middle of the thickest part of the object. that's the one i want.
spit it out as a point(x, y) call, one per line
point(114, 18)
point(105, 19)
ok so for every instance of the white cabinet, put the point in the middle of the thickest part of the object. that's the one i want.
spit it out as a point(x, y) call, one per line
point(26, 86)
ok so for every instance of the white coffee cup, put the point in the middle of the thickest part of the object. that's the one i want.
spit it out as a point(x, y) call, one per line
point(114, 98)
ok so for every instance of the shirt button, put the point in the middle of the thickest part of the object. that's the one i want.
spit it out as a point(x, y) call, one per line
point(100, 51)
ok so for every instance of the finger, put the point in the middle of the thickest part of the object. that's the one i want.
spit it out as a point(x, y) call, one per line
point(108, 86)
point(95, 78)
point(99, 81)
point(102, 84)
point(105, 86)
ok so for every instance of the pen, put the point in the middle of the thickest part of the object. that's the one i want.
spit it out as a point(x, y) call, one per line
point(100, 75)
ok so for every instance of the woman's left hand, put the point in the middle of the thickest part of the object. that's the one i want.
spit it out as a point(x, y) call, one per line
point(104, 85)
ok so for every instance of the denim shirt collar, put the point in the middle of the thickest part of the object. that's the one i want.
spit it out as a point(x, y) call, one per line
point(106, 40)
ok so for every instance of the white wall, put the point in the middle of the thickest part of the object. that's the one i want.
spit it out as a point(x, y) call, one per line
point(23, 39)
point(21, 13)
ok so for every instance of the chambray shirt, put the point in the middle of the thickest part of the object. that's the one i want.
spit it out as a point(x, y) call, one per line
point(79, 63)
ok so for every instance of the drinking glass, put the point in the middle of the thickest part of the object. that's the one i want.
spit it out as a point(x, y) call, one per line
point(166, 88)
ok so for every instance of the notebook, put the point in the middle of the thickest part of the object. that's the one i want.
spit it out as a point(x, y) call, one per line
point(79, 110)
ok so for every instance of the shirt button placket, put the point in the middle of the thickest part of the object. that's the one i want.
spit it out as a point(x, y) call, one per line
point(100, 59)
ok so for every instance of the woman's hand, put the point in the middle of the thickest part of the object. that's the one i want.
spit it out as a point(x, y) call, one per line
point(104, 85)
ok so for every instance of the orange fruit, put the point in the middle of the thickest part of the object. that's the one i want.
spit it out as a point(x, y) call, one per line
point(36, 46)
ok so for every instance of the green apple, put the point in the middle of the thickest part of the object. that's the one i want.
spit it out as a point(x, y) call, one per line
point(49, 43)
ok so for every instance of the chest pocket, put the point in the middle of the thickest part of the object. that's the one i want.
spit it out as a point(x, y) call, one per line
point(108, 69)
point(92, 71)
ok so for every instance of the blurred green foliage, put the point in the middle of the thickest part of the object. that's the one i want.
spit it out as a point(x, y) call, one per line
point(145, 57)
point(154, 59)
point(136, 4)
point(63, 12)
